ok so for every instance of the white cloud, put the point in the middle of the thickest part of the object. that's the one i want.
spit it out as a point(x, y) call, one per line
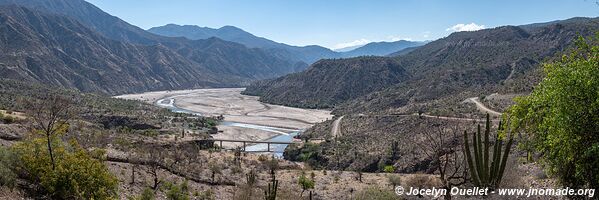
point(392, 38)
point(426, 34)
point(465, 27)
point(351, 44)
point(361, 42)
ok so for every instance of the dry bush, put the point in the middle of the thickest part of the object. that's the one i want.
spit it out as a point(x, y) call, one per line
point(513, 175)
point(421, 181)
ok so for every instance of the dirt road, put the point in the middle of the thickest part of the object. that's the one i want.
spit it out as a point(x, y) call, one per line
point(482, 107)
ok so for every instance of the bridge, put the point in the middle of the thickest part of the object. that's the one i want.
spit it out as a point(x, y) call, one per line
point(246, 142)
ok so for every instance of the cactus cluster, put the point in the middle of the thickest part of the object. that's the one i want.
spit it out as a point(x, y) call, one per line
point(271, 192)
point(485, 172)
point(251, 178)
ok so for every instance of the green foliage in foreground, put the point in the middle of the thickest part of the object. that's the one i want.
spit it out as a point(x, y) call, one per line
point(77, 175)
point(305, 183)
point(8, 176)
point(6, 119)
point(389, 169)
point(561, 116)
point(147, 194)
point(485, 172)
point(177, 192)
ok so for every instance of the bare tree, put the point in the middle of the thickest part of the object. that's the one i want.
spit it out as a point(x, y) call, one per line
point(441, 144)
point(152, 161)
point(50, 115)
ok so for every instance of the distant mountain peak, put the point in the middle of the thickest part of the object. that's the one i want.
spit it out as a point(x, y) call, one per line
point(307, 54)
point(229, 27)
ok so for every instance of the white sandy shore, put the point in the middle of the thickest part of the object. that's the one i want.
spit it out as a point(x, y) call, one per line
point(235, 107)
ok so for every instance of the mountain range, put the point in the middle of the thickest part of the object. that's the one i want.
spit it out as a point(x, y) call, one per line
point(442, 72)
point(308, 54)
point(74, 44)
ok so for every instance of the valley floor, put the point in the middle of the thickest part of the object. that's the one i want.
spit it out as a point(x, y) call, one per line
point(245, 117)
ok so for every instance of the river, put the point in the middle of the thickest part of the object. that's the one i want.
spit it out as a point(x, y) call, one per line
point(245, 117)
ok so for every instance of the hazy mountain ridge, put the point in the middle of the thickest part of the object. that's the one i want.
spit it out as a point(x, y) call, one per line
point(382, 48)
point(308, 54)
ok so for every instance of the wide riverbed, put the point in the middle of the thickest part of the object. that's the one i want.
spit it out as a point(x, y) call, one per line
point(245, 117)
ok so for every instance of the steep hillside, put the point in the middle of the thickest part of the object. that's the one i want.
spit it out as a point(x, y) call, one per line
point(446, 71)
point(60, 51)
point(234, 63)
point(403, 52)
point(330, 82)
point(467, 64)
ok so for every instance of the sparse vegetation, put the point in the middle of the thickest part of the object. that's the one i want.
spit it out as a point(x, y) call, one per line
point(270, 193)
point(394, 180)
point(374, 193)
point(215, 169)
point(147, 194)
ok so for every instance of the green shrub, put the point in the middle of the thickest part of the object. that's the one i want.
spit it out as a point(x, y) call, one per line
point(9, 120)
point(206, 195)
point(77, 175)
point(177, 192)
point(8, 176)
point(561, 116)
point(389, 169)
point(262, 158)
point(305, 183)
point(147, 194)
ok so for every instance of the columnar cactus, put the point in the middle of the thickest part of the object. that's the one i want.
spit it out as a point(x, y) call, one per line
point(271, 192)
point(485, 172)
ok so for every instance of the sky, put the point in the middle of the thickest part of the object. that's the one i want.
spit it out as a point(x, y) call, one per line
point(342, 23)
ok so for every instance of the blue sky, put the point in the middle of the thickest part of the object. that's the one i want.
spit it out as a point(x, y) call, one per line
point(339, 23)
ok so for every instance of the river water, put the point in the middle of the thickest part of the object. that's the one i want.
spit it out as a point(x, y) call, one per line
point(284, 134)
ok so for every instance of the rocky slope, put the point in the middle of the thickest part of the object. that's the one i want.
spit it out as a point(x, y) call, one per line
point(330, 82)
point(55, 50)
point(470, 64)
point(97, 40)
point(446, 71)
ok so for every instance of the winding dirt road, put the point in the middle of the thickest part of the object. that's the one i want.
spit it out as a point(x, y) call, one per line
point(335, 129)
point(482, 107)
